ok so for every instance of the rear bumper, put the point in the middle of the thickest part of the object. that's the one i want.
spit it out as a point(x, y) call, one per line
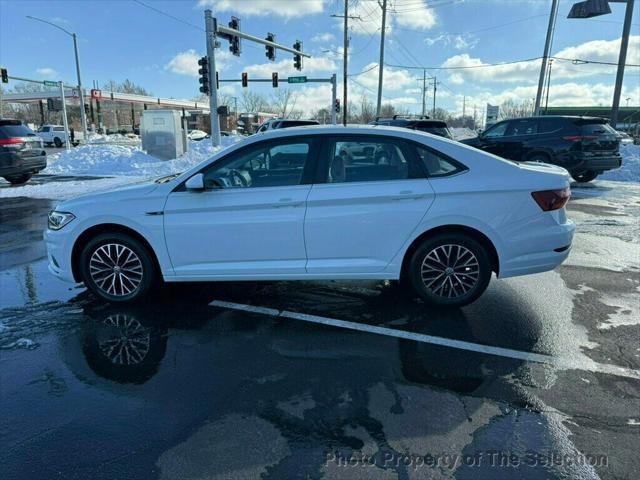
point(552, 247)
point(12, 163)
point(596, 163)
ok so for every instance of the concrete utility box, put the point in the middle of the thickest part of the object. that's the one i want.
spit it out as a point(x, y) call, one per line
point(162, 134)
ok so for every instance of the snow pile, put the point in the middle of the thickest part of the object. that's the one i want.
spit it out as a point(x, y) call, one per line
point(96, 138)
point(128, 160)
point(630, 170)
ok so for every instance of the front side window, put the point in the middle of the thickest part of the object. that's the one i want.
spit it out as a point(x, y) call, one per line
point(265, 165)
point(496, 131)
point(371, 159)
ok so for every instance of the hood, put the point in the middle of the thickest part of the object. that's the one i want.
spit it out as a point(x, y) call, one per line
point(129, 191)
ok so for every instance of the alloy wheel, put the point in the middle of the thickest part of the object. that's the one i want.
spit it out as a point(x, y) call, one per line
point(116, 269)
point(450, 271)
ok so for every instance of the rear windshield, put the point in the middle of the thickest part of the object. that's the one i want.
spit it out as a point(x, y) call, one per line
point(10, 131)
point(596, 128)
point(440, 131)
point(296, 123)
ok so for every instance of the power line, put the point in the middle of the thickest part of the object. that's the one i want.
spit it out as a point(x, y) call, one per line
point(157, 10)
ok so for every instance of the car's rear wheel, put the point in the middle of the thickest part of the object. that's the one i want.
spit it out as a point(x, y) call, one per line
point(18, 179)
point(117, 267)
point(57, 142)
point(584, 176)
point(450, 270)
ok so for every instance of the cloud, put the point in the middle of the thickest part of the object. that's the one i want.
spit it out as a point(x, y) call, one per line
point(281, 8)
point(285, 67)
point(323, 37)
point(459, 42)
point(186, 63)
point(393, 79)
point(47, 72)
point(595, 50)
point(418, 16)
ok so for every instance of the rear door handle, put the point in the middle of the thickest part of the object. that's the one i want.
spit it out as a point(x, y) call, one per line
point(288, 202)
point(407, 195)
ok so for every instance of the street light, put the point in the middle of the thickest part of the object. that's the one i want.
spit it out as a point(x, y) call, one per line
point(83, 117)
point(594, 8)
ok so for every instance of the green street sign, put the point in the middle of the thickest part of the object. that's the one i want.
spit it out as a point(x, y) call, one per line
point(49, 83)
point(297, 80)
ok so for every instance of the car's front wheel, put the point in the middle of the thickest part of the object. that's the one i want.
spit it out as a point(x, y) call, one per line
point(450, 270)
point(18, 179)
point(584, 176)
point(117, 267)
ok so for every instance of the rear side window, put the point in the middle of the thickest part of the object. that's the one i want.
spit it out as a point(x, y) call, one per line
point(371, 159)
point(438, 165)
point(10, 131)
point(548, 125)
point(527, 126)
point(597, 129)
point(59, 129)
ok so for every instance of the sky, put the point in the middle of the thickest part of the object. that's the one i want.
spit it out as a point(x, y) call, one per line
point(159, 51)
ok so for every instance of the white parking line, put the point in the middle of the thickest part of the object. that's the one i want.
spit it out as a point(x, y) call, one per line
point(559, 362)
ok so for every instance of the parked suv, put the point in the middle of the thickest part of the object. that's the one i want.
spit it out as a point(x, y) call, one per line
point(586, 146)
point(21, 152)
point(422, 123)
point(276, 123)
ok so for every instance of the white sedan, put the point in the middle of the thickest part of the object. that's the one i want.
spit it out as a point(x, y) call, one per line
point(286, 205)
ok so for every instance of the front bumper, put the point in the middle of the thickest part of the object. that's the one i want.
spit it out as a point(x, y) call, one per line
point(59, 248)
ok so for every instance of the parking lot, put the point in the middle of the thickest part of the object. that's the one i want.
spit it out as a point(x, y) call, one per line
point(540, 378)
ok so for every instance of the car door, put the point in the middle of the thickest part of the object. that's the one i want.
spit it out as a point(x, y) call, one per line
point(492, 139)
point(520, 133)
point(249, 221)
point(362, 210)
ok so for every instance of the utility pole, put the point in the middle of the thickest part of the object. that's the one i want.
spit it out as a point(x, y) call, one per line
point(435, 90)
point(474, 116)
point(64, 117)
point(345, 49)
point(210, 32)
point(622, 59)
point(424, 92)
point(381, 62)
point(83, 114)
point(546, 102)
point(545, 55)
point(464, 101)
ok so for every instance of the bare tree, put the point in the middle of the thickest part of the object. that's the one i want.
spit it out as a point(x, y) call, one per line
point(253, 102)
point(367, 111)
point(284, 102)
point(511, 109)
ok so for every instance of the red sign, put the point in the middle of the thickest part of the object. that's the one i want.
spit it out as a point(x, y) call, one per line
point(96, 94)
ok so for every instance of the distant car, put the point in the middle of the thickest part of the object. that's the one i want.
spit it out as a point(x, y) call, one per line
point(276, 123)
point(422, 124)
point(21, 152)
point(52, 135)
point(197, 135)
point(625, 138)
point(286, 206)
point(585, 146)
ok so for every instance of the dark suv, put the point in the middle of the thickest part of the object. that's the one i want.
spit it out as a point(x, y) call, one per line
point(423, 123)
point(21, 152)
point(586, 146)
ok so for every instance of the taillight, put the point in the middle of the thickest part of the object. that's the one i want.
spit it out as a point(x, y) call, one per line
point(578, 138)
point(552, 199)
point(11, 141)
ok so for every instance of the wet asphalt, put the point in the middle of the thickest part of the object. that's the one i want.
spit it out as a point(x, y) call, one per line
point(176, 388)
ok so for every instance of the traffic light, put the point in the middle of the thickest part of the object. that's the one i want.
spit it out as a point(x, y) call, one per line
point(336, 107)
point(297, 59)
point(271, 51)
point(274, 79)
point(234, 40)
point(245, 79)
point(5, 75)
point(217, 81)
point(86, 109)
point(204, 75)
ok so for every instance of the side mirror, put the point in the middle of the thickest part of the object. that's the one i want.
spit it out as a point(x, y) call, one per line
point(195, 183)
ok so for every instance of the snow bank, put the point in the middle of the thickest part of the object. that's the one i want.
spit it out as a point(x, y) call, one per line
point(630, 170)
point(128, 160)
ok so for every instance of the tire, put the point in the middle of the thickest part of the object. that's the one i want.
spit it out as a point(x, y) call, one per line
point(18, 179)
point(57, 142)
point(449, 270)
point(584, 176)
point(102, 263)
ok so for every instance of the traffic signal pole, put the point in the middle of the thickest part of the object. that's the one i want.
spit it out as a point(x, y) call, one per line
point(210, 32)
point(64, 118)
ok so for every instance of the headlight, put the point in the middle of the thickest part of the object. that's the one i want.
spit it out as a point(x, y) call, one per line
point(57, 220)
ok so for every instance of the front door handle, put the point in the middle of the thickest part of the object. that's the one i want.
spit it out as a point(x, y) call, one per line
point(407, 195)
point(288, 202)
